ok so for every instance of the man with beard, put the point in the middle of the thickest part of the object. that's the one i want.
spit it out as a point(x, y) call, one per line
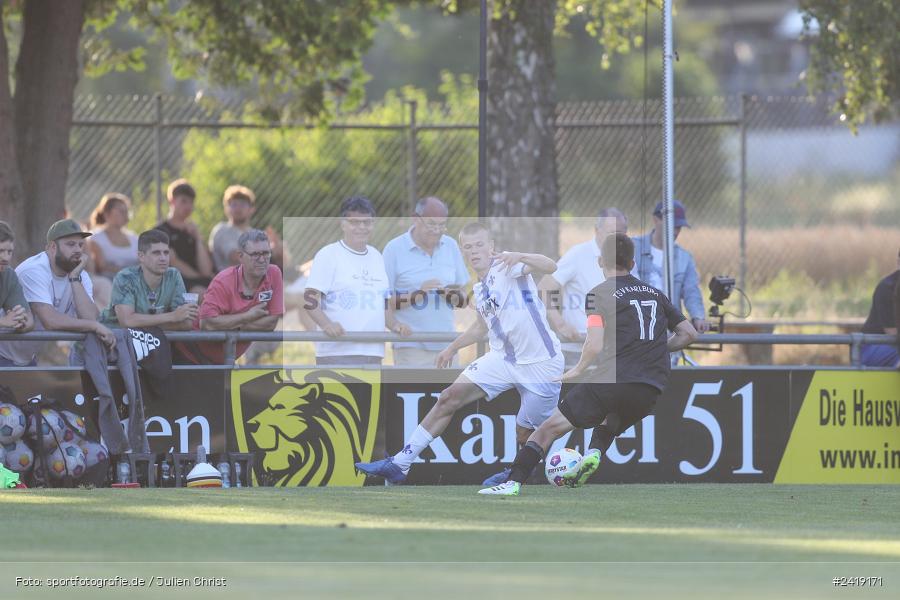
point(59, 291)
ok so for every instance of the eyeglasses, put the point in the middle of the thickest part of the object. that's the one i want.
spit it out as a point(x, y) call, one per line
point(434, 225)
point(359, 223)
point(265, 255)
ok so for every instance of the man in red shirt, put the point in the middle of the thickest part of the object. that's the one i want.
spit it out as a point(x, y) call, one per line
point(246, 297)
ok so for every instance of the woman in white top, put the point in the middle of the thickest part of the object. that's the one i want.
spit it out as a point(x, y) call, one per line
point(112, 247)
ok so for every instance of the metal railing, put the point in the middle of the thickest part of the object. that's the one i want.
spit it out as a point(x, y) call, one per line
point(230, 339)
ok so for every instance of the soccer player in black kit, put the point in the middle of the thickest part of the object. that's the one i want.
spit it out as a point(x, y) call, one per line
point(628, 341)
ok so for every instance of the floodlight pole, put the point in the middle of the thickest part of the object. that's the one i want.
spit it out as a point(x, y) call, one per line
point(668, 150)
point(482, 112)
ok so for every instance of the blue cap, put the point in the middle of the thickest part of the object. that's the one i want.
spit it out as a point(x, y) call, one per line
point(680, 213)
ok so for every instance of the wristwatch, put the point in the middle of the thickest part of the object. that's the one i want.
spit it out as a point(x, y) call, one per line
point(75, 279)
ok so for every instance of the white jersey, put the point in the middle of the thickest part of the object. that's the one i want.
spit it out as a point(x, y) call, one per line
point(40, 285)
point(516, 318)
point(355, 285)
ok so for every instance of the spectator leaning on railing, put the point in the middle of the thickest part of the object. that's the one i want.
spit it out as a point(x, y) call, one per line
point(347, 290)
point(152, 293)
point(246, 297)
point(60, 293)
point(16, 315)
point(426, 271)
point(884, 317)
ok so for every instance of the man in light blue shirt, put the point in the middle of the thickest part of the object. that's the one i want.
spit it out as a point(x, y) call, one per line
point(648, 266)
point(426, 272)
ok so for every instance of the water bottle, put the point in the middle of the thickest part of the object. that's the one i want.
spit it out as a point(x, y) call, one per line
point(123, 471)
point(201, 454)
point(224, 470)
point(237, 474)
point(165, 475)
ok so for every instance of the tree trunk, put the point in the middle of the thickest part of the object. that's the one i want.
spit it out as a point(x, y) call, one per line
point(521, 127)
point(11, 193)
point(46, 74)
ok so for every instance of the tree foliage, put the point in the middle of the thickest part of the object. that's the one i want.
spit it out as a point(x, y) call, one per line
point(304, 172)
point(855, 55)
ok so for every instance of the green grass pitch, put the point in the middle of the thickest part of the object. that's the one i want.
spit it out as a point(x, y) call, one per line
point(658, 541)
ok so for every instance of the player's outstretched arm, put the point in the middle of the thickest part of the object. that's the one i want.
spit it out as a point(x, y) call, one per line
point(538, 263)
point(685, 335)
point(534, 263)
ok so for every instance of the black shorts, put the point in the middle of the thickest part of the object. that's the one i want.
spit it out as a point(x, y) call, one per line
point(587, 404)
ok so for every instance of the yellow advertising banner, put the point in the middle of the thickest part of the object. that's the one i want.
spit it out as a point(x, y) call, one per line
point(847, 430)
point(307, 426)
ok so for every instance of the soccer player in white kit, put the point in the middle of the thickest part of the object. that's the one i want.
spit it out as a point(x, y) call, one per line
point(524, 352)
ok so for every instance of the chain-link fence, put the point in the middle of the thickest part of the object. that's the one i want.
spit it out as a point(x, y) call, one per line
point(779, 192)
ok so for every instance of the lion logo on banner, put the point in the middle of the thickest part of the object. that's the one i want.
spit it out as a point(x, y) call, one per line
point(308, 426)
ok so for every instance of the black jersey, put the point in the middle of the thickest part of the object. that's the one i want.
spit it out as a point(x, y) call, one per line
point(637, 319)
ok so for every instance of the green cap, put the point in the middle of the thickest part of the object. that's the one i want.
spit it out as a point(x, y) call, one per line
point(65, 228)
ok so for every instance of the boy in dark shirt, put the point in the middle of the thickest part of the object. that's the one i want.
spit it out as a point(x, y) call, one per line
point(189, 254)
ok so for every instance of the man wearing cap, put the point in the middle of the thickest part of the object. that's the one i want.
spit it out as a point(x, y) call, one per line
point(648, 266)
point(59, 291)
point(14, 313)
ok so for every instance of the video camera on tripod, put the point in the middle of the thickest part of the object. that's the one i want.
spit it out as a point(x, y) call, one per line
point(720, 288)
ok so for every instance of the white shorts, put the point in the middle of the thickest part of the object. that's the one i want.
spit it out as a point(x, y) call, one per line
point(535, 382)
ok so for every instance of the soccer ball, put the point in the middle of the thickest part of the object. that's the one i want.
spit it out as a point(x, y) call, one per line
point(12, 423)
point(68, 458)
point(53, 428)
point(94, 453)
point(562, 463)
point(78, 423)
point(19, 456)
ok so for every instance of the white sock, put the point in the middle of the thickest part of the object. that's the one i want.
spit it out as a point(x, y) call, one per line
point(592, 451)
point(417, 442)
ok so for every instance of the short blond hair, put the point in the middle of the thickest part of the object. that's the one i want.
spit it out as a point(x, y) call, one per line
point(238, 192)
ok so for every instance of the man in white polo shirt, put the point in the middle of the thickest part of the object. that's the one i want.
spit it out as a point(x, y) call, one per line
point(59, 291)
point(347, 290)
point(426, 271)
point(577, 274)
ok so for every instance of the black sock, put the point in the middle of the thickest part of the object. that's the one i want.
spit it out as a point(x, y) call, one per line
point(601, 439)
point(604, 435)
point(526, 460)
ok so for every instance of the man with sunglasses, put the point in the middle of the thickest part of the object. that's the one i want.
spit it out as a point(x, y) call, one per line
point(151, 293)
point(247, 297)
point(426, 272)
